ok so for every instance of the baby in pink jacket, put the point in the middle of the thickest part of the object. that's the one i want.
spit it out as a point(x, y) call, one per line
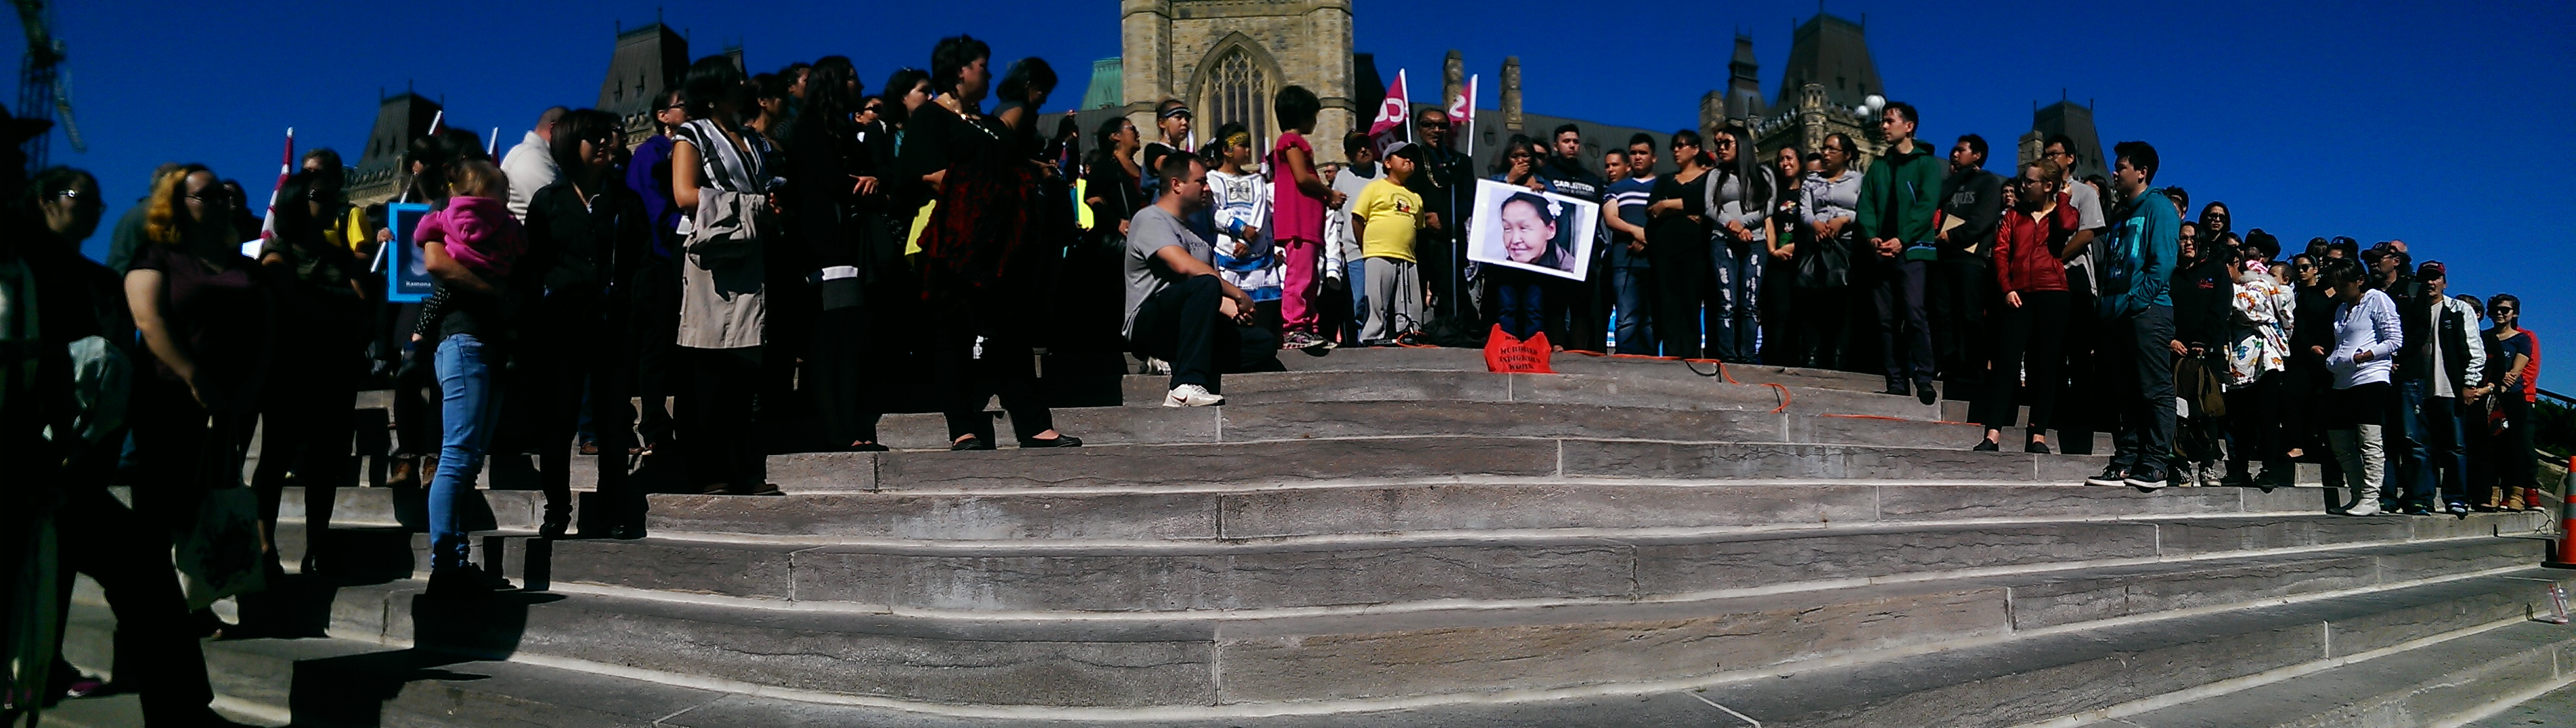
point(476, 226)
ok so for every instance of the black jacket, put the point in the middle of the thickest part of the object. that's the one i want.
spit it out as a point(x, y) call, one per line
point(585, 250)
point(1976, 198)
point(2202, 299)
point(2415, 317)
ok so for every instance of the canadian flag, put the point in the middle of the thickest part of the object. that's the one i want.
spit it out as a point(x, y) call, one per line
point(1391, 112)
point(285, 169)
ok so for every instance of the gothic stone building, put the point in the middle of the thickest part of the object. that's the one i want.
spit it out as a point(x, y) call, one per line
point(1228, 59)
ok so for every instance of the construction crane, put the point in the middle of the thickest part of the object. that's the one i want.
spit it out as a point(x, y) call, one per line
point(43, 91)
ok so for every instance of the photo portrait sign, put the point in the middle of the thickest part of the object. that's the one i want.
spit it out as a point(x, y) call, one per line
point(1540, 232)
point(406, 272)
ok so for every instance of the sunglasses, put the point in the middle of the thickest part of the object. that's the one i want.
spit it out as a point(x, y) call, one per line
point(1435, 125)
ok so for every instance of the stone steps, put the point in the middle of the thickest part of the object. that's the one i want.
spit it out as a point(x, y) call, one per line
point(339, 683)
point(2554, 709)
point(1977, 668)
point(2445, 683)
point(1421, 458)
point(1220, 513)
point(2077, 671)
point(1407, 572)
point(1395, 418)
point(1217, 512)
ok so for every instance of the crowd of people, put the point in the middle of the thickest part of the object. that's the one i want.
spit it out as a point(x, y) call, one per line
point(792, 240)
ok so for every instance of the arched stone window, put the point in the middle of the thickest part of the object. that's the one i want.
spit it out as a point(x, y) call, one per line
point(1238, 90)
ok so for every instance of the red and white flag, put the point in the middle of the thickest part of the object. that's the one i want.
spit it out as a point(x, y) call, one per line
point(1391, 112)
point(1462, 114)
point(285, 169)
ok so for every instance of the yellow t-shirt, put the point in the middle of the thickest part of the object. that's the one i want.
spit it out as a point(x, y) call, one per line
point(1393, 213)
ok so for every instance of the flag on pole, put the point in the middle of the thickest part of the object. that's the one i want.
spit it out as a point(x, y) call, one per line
point(1391, 112)
point(1462, 114)
point(285, 169)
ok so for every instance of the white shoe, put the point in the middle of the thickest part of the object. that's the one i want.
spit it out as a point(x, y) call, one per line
point(2367, 507)
point(1191, 395)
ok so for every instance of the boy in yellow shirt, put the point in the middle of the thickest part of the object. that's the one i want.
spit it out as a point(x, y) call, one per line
point(1384, 218)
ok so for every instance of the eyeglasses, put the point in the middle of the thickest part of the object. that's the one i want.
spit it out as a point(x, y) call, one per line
point(1693, 145)
point(1723, 143)
point(74, 194)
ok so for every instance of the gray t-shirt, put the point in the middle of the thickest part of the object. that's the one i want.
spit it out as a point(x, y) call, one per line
point(1150, 231)
point(1350, 182)
point(2088, 214)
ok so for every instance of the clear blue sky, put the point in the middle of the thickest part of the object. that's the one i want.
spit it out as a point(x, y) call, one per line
point(2373, 119)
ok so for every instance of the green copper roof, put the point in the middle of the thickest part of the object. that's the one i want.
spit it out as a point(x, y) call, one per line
point(1107, 87)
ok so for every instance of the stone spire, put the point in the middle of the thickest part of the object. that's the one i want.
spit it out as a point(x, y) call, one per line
point(1453, 78)
point(1512, 94)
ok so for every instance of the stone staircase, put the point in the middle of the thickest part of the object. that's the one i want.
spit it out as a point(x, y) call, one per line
point(1392, 537)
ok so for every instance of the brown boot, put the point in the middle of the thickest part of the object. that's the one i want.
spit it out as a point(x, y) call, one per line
point(403, 473)
point(2513, 499)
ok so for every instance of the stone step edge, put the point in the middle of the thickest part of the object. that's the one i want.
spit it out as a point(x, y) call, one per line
point(511, 686)
point(1451, 537)
point(1913, 579)
point(1273, 709)
point(2228, 688)
point(293, 493)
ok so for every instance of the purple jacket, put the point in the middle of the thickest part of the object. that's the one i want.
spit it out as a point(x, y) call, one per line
point(649, 174)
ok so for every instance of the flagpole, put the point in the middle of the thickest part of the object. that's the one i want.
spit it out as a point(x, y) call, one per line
point(1405, 120)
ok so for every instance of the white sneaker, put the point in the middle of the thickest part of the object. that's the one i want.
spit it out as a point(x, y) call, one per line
point(2367, 507)
point(1191, 395)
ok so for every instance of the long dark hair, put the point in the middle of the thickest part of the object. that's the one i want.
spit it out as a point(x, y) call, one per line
point(1503, 162)
point(895, 87)
point(831, 97)
point(293, 216)
point(1031, 74)
point(1756, 175)
point(1104, 155)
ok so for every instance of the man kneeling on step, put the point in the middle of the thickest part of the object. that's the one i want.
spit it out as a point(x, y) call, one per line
point(1178, 310)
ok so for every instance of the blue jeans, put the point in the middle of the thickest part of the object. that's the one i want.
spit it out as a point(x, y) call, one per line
point(1734, 323)
point(1635, 332)
point(1356, 274)
point(2429, 460)
point(468, 405)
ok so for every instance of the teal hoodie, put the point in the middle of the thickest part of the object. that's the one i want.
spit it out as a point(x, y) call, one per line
point(1912, 182)
point(2138, 264)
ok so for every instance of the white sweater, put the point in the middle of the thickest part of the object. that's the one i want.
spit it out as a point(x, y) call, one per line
point(2370, 325)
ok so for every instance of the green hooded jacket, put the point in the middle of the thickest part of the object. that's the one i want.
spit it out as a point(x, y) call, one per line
point(1911, 185)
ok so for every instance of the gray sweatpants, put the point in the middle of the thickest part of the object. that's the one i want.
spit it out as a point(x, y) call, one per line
point(1395, 299)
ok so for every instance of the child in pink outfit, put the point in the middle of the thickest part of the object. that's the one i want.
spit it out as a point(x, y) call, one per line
point(476, 226)
point(1299, 197)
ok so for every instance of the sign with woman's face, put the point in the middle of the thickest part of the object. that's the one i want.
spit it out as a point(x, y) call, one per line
point(406, 272)
point(1536, 231)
